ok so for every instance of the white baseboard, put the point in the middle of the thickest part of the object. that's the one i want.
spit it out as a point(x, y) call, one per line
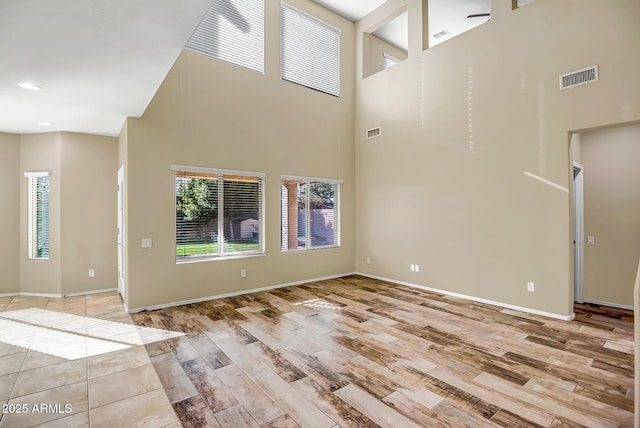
point(236, 293)
point(86, 293)
point(613, 305)
point(57, 296)
point(48, 295)
point(473, 298)
point(9, 294)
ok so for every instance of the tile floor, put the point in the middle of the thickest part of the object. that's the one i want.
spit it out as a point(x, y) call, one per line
point(78, 362)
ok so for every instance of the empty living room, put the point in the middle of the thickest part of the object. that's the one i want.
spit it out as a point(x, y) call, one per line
point(319, 213)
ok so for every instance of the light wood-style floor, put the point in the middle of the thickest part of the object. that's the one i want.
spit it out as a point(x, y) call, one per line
point(357, 352)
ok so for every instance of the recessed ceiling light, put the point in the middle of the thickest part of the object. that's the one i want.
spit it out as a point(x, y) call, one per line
point(30, 86)
point(46, 123)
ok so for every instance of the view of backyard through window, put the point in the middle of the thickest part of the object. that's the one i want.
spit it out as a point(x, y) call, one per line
point(217, 215)
point(309, 218)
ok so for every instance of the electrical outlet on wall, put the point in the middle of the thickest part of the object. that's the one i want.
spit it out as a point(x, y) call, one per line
point(531, 287)
point(368, 260)
point(412, 268)
point(417, 268)
point(243, 273)
point(92, 273)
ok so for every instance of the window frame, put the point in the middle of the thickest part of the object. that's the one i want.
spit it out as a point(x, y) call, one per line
point(32, 216)
point(202, 39)
point(336, 209)
point(222, 254)
point(284, 6)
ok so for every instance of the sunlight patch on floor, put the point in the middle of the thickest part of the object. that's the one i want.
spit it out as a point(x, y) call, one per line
point(317, 303)
point(73, 336)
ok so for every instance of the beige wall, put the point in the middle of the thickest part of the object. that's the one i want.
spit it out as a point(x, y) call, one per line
point(445, 185)
point(82, 212)
point(374, 50)
point(611, 159)
point(576, 147)
point(10, 213)
point(41, 152)
point(88, 212)
point(212, 114)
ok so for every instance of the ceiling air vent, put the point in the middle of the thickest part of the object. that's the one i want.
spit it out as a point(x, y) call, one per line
point(580, 77)
point(372, 133)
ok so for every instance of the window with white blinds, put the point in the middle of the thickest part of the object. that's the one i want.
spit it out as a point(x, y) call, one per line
point(309, 213)
point(389, 61)
point(232, 31)
point(309, 51)
point(218, 213)
point(38, 212)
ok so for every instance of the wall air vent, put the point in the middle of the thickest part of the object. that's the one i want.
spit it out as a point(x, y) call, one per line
point(372, 133)
point(441, 34)
point(580, 77)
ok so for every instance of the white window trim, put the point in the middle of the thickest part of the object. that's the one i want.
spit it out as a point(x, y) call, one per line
point(315, 18)
point(30, 208)
point(336, 208)
point(37, 174)
point(303, 178)
point(205, 170)
point(261, 251)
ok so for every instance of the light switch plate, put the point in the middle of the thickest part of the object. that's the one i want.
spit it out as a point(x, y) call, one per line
point(591, 240)
point(147, 242)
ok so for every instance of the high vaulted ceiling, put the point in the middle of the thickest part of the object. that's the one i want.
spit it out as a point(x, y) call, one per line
point(98, 61)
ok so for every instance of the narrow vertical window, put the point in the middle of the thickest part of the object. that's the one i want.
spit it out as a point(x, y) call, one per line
point(309, 213)
point(38, 215)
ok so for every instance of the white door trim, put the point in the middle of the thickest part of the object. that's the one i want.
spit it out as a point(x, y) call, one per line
point(121, 235)
point(578, 231)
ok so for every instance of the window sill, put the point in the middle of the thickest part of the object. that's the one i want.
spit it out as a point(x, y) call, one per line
point(216, 258)
point(304, 250)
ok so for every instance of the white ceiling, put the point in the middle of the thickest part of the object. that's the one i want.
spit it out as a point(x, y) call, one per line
point(99, 61)
point(96, 62)
point(450, 15)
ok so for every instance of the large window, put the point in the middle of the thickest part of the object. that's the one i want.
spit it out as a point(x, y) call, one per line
point(309, 213)
point(309, 51)
point(38, 212)
point(232, 31)
point(218, 213)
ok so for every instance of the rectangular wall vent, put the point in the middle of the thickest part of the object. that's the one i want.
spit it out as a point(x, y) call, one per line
point(441, 34)
point(375, 132)
point(580, 77)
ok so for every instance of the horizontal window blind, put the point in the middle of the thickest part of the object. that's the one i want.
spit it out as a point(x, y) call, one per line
point(389, 61)
point(309, 214)
point(38, 211)
point(309, 51)
point(232, 31)
point(218, 214)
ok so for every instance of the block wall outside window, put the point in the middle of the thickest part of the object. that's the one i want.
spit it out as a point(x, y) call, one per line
point(310, 213)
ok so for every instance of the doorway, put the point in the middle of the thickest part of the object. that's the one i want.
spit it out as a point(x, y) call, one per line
point(578, 232)
point(121, 240)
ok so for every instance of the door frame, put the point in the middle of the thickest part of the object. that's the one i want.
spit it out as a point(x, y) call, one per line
point(121, 234)
point(578, 232)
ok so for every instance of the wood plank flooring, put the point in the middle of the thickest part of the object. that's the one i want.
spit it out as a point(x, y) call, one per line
point(358, 352)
